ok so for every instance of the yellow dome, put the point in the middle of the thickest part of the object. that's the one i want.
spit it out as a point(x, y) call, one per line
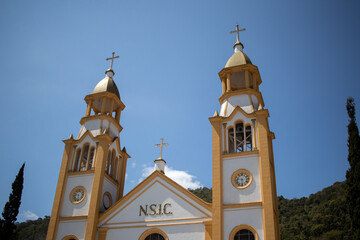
point(238, 58)
point(107, 85)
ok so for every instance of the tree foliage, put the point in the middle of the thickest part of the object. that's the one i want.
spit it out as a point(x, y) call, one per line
point(204, 193)
point(353, 174)
point(11, 209)
point(32, 229)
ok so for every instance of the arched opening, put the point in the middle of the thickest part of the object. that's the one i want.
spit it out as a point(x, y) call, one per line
point(70, 237)
point(248, 137)
point(108, 162)
point(231, 140)
point(239, 134)
point(91, 158)
point(84, 157)
point(155, 236)
point(77, 159)
point(243, 232)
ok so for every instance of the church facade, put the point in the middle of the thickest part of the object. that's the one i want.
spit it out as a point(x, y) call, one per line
point(89, 202)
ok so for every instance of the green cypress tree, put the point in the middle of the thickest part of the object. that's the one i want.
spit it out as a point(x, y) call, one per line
point(353, 173)
point(11, 208)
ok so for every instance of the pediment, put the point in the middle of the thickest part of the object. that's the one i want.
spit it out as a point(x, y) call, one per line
point(156, 199)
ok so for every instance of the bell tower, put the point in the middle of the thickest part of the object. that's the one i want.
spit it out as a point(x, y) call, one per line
point(92, 173)
point(244, 188)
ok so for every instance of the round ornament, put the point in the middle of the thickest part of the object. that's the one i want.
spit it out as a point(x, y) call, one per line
point(241, 178)
point(77, 195)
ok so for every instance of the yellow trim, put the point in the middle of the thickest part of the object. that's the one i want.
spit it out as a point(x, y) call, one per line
point(102, 117)
point(152, 231)
point(233, 176)
point(73, 191)
point(73, 218)
point(96, 191)
point(241, 227)
point(110, 200)
point(158, 225)
point(208, 230)
point(243, 205)
point(68, 237)
point(239, 154)
point(80, 173)
point(60, 191)
point(217, 171)
point(159, 221)
point(102, 233)
point(92, 97)
point(246, 91)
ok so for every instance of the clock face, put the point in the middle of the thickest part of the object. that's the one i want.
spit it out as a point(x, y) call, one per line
point(241, 178)
point(77, 195)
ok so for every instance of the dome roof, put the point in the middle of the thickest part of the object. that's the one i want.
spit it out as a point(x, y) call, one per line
point(238, 58)
point(107, 84)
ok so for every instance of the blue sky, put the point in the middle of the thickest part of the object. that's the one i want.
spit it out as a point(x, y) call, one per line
point(53, 54)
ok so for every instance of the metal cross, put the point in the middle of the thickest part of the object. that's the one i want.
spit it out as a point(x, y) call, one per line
point(237, 31)
point(112, 59)
point(161, 146)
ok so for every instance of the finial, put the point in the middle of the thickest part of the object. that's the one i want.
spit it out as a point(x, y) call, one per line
point(238, 46)
point(161, 146)
point(110, 72)
point(160, 163)
point(216, 114)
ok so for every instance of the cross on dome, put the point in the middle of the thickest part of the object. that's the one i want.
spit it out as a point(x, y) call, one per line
point(237, 31)
point(161, 146)
point(112, 59)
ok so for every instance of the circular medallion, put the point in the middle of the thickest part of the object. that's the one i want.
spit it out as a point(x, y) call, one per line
point(77, 195)
point(107, 200)
point(241, 178)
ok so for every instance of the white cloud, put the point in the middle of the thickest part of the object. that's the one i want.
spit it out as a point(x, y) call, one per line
point(133, 164)
point(28, 215)
point(181, 177)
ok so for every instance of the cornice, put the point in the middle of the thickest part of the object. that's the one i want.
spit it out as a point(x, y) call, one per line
point(102, 116)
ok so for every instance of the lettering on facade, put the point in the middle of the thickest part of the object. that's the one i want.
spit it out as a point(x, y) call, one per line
point(155, 209)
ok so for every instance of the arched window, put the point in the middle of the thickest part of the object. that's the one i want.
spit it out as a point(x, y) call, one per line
point(231, 140)
point(77, 159)
point(248, 137)
point(108, 162)
point(240, 139)
point(244, 234)
point(112, 170)
point(239, 134)
point(91, 158)
point(70, 237)
point(155, 236)
point(84, 157)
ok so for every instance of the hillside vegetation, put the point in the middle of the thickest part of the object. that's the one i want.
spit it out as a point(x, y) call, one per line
point(321, 216)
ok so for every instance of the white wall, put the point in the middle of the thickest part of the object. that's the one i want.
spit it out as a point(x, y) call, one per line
point(175, 232)
point(248, 216)
point(76, 228)
point(70, 209)
point(232, 195)
point(108, 186)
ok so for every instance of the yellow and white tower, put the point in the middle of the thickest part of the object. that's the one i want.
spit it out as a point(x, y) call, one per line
point(244, 188)
point(92, 172)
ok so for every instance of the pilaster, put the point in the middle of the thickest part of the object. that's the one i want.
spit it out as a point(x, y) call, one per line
point(93, 215)
point(267, 177)
point(217, 205)
point(60, 190)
